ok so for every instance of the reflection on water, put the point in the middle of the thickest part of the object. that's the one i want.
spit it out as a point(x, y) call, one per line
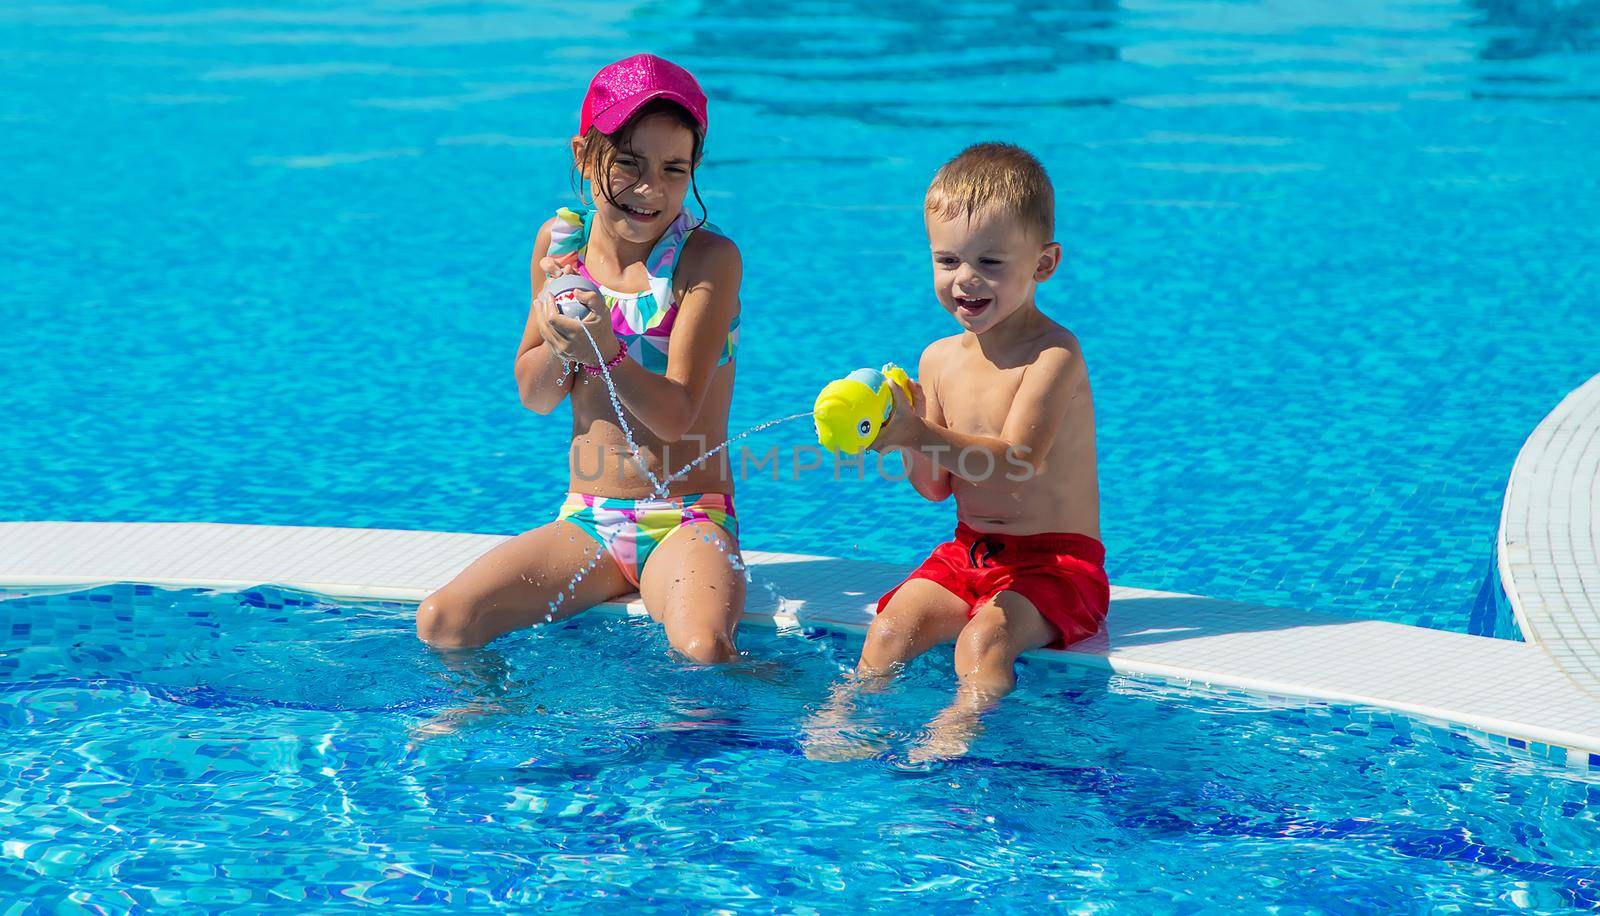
point(904, 64)
point(1539, 49)
point(976, 65)
point(969, 63)
point(1521, 29)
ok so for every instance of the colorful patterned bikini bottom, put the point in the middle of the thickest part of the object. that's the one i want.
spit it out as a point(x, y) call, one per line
point(631, 529)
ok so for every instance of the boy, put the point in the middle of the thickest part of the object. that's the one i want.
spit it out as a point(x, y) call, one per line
point(1002, 419)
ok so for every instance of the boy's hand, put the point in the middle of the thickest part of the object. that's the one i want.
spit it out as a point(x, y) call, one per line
point(905, 421)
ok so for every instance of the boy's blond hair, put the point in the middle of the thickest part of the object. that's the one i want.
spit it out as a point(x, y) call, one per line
point(995, 178)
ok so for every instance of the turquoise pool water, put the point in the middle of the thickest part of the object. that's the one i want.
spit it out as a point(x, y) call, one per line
point(267, 263)
point(162, 749)
point(1330, 262)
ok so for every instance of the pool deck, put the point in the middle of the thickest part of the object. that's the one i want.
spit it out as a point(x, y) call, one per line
point(1549, 547)
point(1499, 691)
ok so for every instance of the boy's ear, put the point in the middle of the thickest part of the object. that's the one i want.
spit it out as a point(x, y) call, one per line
point(1049, 260)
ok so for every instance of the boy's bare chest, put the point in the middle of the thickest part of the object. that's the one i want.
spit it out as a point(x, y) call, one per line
point(975, 396)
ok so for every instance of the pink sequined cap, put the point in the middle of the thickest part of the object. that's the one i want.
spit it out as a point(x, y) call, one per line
point(619, 89)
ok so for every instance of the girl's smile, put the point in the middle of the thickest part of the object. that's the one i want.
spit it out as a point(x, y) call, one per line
point(639, 214)
point(641, 189)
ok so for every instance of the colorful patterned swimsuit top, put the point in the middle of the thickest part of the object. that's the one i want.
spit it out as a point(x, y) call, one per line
point(643, 321)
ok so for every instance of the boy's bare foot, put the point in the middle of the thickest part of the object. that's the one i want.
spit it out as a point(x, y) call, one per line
point(952, 731)
point(842, 748)
point(767, 671)
point(449, 722)
point(830, 737)
point(831, 734)
point(945, 742)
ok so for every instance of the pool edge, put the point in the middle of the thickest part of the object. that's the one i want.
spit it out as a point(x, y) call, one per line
point(1189, 640)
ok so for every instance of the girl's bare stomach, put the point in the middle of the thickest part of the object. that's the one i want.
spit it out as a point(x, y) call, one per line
point(601, 464)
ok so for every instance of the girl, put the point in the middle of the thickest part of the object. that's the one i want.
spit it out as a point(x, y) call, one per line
point(665, 326)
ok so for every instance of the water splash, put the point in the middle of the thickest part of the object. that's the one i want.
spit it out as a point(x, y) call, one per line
point(622, 421)
point(733, 556)
point(661, 485)
point(679, 474)
point(571, 588)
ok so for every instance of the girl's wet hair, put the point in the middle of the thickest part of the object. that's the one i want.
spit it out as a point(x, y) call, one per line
point(598, 152)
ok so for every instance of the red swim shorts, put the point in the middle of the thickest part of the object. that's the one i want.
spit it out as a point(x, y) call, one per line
point(1063, 575)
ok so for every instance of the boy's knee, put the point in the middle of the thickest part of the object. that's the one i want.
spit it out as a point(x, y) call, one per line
point(701, 645)
point(445, 620)
point(889, 640)
point(985, 642)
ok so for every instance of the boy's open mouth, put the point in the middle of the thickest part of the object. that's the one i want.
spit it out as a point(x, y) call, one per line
point(972, 306)
point(639, 213)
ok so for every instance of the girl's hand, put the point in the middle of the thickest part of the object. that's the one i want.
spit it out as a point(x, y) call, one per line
point(553, 268)
point(556, 339)
point(566, 336)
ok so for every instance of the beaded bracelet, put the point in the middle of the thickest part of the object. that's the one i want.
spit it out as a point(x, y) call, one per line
point(612, 363)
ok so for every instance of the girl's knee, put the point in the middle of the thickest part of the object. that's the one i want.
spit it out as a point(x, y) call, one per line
point(701, 645)
point(447, 620)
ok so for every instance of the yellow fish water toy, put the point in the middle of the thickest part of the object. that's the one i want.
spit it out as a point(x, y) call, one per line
point(850, 411)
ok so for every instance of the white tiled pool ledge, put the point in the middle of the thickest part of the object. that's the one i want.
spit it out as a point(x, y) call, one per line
point(1549, 546)
point(1509, 691)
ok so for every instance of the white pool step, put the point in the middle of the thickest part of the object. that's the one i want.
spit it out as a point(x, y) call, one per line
point(1549, 549)
point(1507, 691)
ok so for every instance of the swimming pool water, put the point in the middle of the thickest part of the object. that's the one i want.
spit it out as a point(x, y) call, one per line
point(1330, 262)
point(168, 748)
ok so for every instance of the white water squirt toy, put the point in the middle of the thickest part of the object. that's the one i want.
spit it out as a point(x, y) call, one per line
point(565, 289)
